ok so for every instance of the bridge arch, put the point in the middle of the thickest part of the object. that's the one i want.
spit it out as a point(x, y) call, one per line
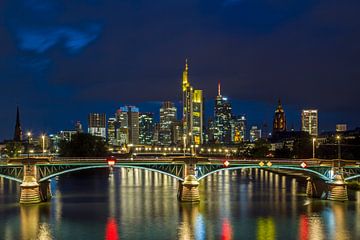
point(106, 166)
point(352, 177)
point(306, 170)
point(11, 178)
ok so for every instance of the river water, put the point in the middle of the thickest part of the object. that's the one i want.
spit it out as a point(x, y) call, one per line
point(138, 204)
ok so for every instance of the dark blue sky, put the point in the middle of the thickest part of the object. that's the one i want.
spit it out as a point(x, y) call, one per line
point(60, 60)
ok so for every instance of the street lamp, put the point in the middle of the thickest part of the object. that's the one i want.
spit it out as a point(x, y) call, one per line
point(184, 138)
point(28, 147)
point(338, 138)
point(313, 145)
point(43, 143)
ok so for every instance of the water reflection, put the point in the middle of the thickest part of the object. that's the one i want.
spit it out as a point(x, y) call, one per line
point(266, 229)
point(136, 204)
point(30, 225)
point(111, 230)
point(188, 224)
point(226, 231)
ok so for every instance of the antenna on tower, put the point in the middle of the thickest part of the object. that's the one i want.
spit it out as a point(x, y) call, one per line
point(219, 88)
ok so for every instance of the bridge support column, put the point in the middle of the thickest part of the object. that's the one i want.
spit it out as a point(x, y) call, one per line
point(45, 191)
point(337, 188)
point(188, 190)
point(30, 192)
point(316, 188)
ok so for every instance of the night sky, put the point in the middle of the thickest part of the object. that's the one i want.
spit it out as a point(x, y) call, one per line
point(60, 60)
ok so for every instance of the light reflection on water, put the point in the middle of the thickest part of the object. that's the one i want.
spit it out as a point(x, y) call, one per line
point(137, 204)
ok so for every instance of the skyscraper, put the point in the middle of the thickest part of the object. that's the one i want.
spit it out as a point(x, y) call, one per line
point(97, 124)
point(17, 132)
point(309, 121)
point(279, 123)
point(128, 119)
point(146, 128)
point(167, 119)
point(221, 127)
point(111, 131)
point(192, 110)
point(255, 134)
point(238, 129)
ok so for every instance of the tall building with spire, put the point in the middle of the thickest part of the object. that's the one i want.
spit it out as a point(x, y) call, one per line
point(17, 132)
point(279, 123)
point(222, 119)
point(192, 110)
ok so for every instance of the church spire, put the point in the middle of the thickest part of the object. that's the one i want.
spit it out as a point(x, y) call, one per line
point(17, 132)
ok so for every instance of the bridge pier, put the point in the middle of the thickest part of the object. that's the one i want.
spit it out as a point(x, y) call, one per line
point(188, 191)
point(30, 191)
point(337, 188)
point(45, 191)
point(316, 188)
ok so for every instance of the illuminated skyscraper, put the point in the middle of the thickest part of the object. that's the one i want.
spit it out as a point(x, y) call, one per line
point(146, 128)
point(192, 111)
point(167, 119)
point(309, 121)
point(221, 127)
point(238, 129)
point(97, 124)
point(111, 131)
point(255, 134)
point(341, 127)
point(128, 120)
point(279, 124)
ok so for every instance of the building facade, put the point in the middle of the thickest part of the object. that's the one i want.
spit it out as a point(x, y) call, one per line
point(238, 129)
point(192, 111)
point(310, 121)
point(146, 128)
point(97, 124)
point(255, 134)
point(111, 131)
point(128, 120)
point(221, 126)
point(168, 113)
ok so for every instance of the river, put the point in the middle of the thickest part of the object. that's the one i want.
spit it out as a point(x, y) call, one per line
point(138, 204)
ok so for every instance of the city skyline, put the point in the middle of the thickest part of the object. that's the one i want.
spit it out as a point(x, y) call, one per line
point(97, 56)
point(295, 122)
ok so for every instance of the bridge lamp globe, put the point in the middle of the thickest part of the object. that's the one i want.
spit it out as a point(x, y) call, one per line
point(111, 161)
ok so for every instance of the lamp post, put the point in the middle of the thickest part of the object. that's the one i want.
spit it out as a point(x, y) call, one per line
point(43, 144)
point(28, 148)
point(184, 147)
point(338, 138)
point(313, 145)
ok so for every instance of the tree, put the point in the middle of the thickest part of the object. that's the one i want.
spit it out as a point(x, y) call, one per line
point(83, 145)
point(12, 149)
point(283, 152)
point(303, 146)
point(260, 150)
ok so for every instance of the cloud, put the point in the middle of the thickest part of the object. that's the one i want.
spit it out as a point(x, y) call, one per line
point(40, 40)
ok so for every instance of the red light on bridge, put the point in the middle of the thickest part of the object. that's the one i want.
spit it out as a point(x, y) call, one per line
point(111, 161)
point(226, 163)
point(303, 165)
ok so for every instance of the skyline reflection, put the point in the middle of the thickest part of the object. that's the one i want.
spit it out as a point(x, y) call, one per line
point(140, 204)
